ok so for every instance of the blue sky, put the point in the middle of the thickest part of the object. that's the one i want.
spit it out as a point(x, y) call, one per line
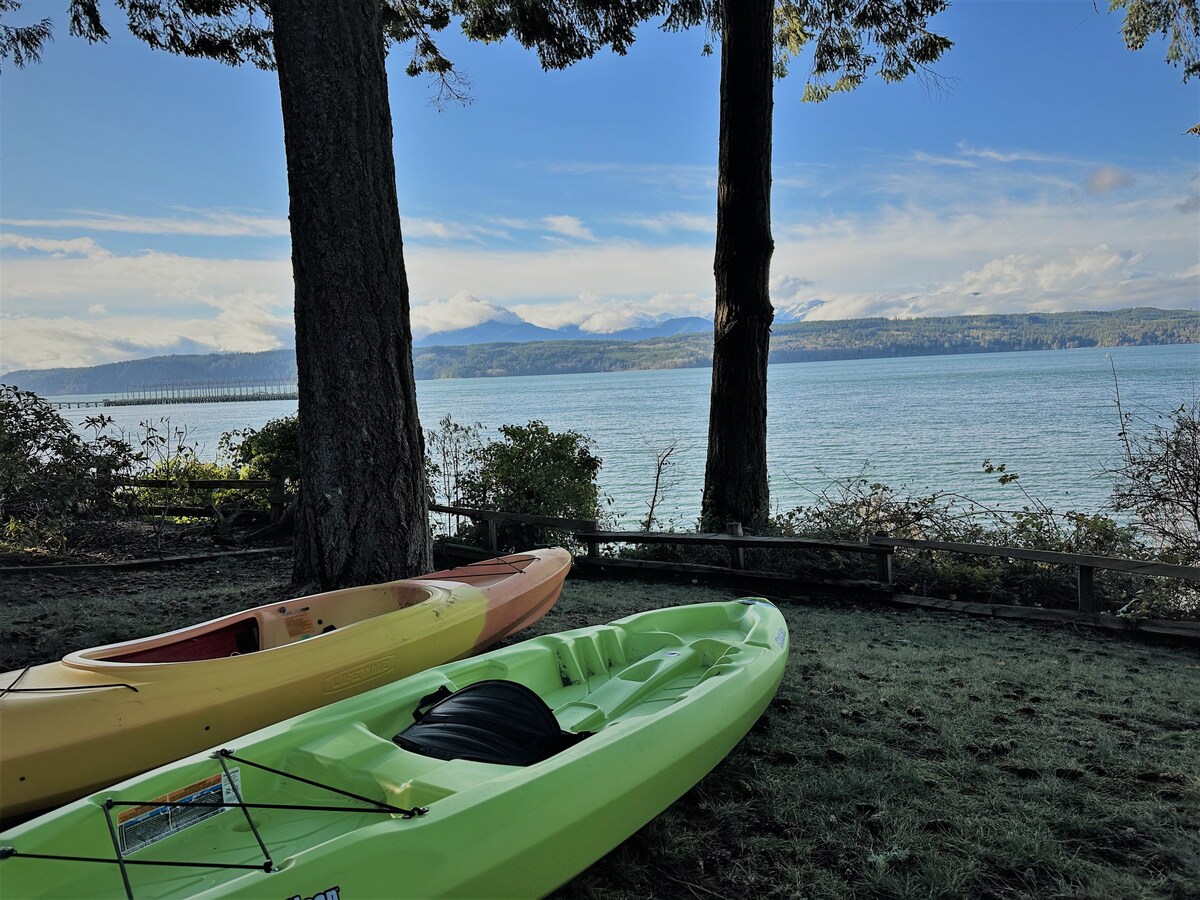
point(143, 197)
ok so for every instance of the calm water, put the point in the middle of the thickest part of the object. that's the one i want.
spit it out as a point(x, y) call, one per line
point(919, 424)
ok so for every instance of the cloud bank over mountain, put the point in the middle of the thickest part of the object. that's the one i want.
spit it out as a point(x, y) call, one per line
point(971, 231)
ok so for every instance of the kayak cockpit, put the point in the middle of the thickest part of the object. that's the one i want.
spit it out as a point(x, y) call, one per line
point(231, 639)
point(493, 721)
point(268, 627)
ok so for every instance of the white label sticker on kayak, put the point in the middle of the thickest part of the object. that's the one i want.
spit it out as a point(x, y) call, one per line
point(140, 826)
point(333, 893)
point(781, 638)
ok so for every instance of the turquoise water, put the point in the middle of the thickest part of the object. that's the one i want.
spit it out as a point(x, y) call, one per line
point(920, 423)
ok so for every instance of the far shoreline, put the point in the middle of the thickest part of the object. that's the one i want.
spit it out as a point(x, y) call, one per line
point(772, 362)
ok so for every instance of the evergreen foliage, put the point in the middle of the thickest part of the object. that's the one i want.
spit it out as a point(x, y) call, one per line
point(1177, 21)
point(23, 43)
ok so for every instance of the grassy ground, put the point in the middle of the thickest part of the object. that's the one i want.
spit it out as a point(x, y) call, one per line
point(908, 754)
point(914, 754)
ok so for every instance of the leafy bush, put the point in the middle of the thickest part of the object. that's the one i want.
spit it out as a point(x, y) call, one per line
point(857, 509)
point(530, 470)
point(262, 452)
point(1159, 481)
point(450, 452)
point(47, 470)
point(180, 469)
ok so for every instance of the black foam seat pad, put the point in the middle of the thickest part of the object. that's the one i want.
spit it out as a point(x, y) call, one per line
point(492, 721)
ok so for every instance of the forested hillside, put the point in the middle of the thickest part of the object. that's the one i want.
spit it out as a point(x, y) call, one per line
point(835, 339)
point(794, 342)
point(113, 378)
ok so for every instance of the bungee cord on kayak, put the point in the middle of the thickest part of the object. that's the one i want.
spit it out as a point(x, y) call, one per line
point(121, 860)
point(11, 687)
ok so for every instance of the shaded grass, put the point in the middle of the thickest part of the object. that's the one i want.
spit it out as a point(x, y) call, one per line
point(914, 754)
point(907, 754)
point(45, 615)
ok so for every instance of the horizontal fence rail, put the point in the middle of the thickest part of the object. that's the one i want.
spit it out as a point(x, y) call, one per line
point(738, 543)
point(275, 486)
point(491, 518)
point(882, 547)
point(212, 484)
point(1084, 564)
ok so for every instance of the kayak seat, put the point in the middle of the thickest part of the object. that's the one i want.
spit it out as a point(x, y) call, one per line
point(233, 639)
point(494, 721)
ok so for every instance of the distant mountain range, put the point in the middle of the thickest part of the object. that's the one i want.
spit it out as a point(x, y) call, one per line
point(510, 328)
point(673, 343)
point(499, 331)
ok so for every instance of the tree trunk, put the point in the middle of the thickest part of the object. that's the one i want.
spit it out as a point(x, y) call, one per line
point(362, 515)
point(735, 478)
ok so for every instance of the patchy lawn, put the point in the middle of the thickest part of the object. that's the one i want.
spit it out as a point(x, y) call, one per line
point(908, 754)
point(914, 754)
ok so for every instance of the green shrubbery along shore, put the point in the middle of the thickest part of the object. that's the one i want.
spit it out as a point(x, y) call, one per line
point(49, 474)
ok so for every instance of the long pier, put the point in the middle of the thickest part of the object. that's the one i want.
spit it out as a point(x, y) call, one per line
point(229, 391)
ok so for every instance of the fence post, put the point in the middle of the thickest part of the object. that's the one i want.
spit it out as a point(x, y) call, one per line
point(1087, 591)
point(593, 548)
point(737, 556)
point(883, 561)
point(490, 539)
point(276, 497)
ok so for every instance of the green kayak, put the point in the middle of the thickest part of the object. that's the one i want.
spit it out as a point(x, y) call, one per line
point(503, 775)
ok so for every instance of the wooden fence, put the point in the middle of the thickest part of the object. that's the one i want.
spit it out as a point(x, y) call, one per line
point(1085, 566)
point(491, 518)
point(881, 547)
point(274, 486)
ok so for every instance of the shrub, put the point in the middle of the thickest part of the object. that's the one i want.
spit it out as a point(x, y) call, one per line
point(1159, 481)
point(47, 470)
point(262, 452)
point(856, 509)
point(534, 471)
point(180, 469)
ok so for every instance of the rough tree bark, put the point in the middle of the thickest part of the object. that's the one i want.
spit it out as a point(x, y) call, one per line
point(735, 477)
point(362, 514)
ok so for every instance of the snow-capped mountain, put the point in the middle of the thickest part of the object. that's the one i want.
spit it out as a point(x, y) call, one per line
point(797, 312)
point(517, 331)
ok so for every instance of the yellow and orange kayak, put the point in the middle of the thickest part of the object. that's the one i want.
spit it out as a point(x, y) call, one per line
point(100, 715)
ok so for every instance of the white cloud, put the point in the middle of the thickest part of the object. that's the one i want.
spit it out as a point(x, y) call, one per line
point(209, 223)
point(791, 287)
point(73, 247)
point(674, 221)
point(604, 315)
point(669, 176)
point(225, 223)
point(448, 231)
point(1091, 278)
point(522, 278)
point(922, 157)
point(41, 342)
point(1034, 274)
point(463, 310)
point(558, 227)
point(1010, 157)
point(568, 226)
point(137, 282)
point(1107, 179)
point(946, 239)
